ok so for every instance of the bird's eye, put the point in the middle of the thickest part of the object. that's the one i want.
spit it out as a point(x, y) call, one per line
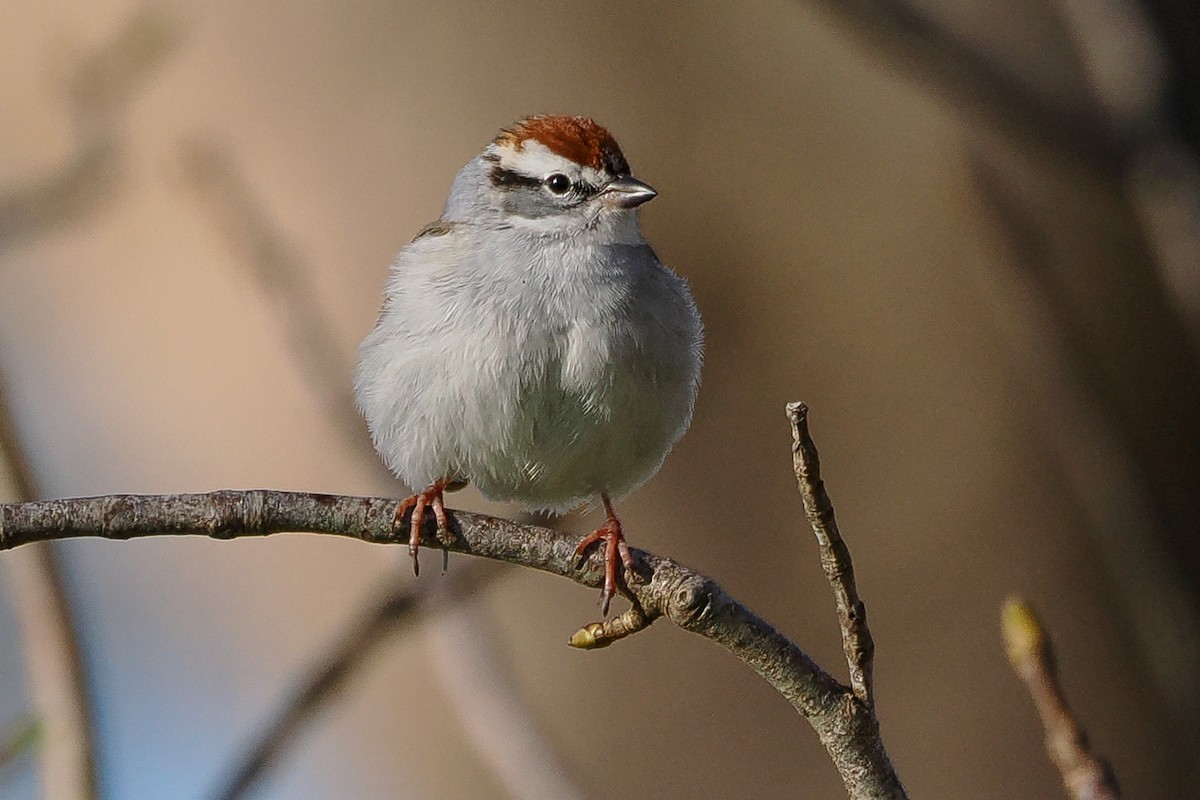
point(558, 183)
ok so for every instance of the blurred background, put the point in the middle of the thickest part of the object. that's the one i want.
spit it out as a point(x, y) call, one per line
point(965, 234)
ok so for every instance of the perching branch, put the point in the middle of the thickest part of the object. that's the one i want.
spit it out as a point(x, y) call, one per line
point(1085, 776)
point(845, 724)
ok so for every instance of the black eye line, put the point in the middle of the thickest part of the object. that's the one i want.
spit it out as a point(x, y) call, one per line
point(508, 179)
point(578, 192)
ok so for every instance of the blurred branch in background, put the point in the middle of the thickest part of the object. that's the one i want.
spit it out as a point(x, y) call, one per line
point(396, 608)
point(508, 739)
point(224, 194)
point(98, 88)
point(1085, 776)
point(1176, 26)
point(97, 91)
point(845, 723)
point(56, 675)
point(1123, 352)
point(1139, 57)
point(1139, 126)
point(499, 722)
point(1104, 426)
point(935, 55)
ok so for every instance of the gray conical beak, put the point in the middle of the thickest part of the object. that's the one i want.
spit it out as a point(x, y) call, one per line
point(627, 192)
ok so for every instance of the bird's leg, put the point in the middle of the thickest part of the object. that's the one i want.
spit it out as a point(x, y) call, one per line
point(614, 548)
point(430, 498)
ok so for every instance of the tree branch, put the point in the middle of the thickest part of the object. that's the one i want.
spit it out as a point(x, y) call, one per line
point(1085, 776)
point(857, 643)
point(844, 722)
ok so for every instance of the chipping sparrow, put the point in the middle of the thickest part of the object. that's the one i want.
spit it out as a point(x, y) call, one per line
point(531, 342)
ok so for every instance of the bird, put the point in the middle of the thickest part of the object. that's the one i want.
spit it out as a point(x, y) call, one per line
point(531, 343)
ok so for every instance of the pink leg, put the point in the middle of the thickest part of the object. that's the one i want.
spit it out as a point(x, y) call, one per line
point(430, 498)
point(615, 549)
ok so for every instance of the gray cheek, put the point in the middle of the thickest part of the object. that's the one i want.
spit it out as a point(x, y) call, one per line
point(531, 203)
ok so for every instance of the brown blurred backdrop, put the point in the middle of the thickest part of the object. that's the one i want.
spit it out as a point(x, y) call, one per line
point(965, 234)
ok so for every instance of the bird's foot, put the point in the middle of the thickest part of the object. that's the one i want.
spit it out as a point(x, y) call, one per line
point(615, 549)
point(419, 503)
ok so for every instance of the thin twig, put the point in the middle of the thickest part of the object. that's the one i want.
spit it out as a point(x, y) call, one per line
point(857, 643)
point(661, 588)
point(1085, 776)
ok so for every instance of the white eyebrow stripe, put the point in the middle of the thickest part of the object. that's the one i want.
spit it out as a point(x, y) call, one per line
point(534, 158)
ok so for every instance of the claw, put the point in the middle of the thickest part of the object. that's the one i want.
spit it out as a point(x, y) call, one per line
point(419, 502)
point(615, 549)
point(414, 528)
